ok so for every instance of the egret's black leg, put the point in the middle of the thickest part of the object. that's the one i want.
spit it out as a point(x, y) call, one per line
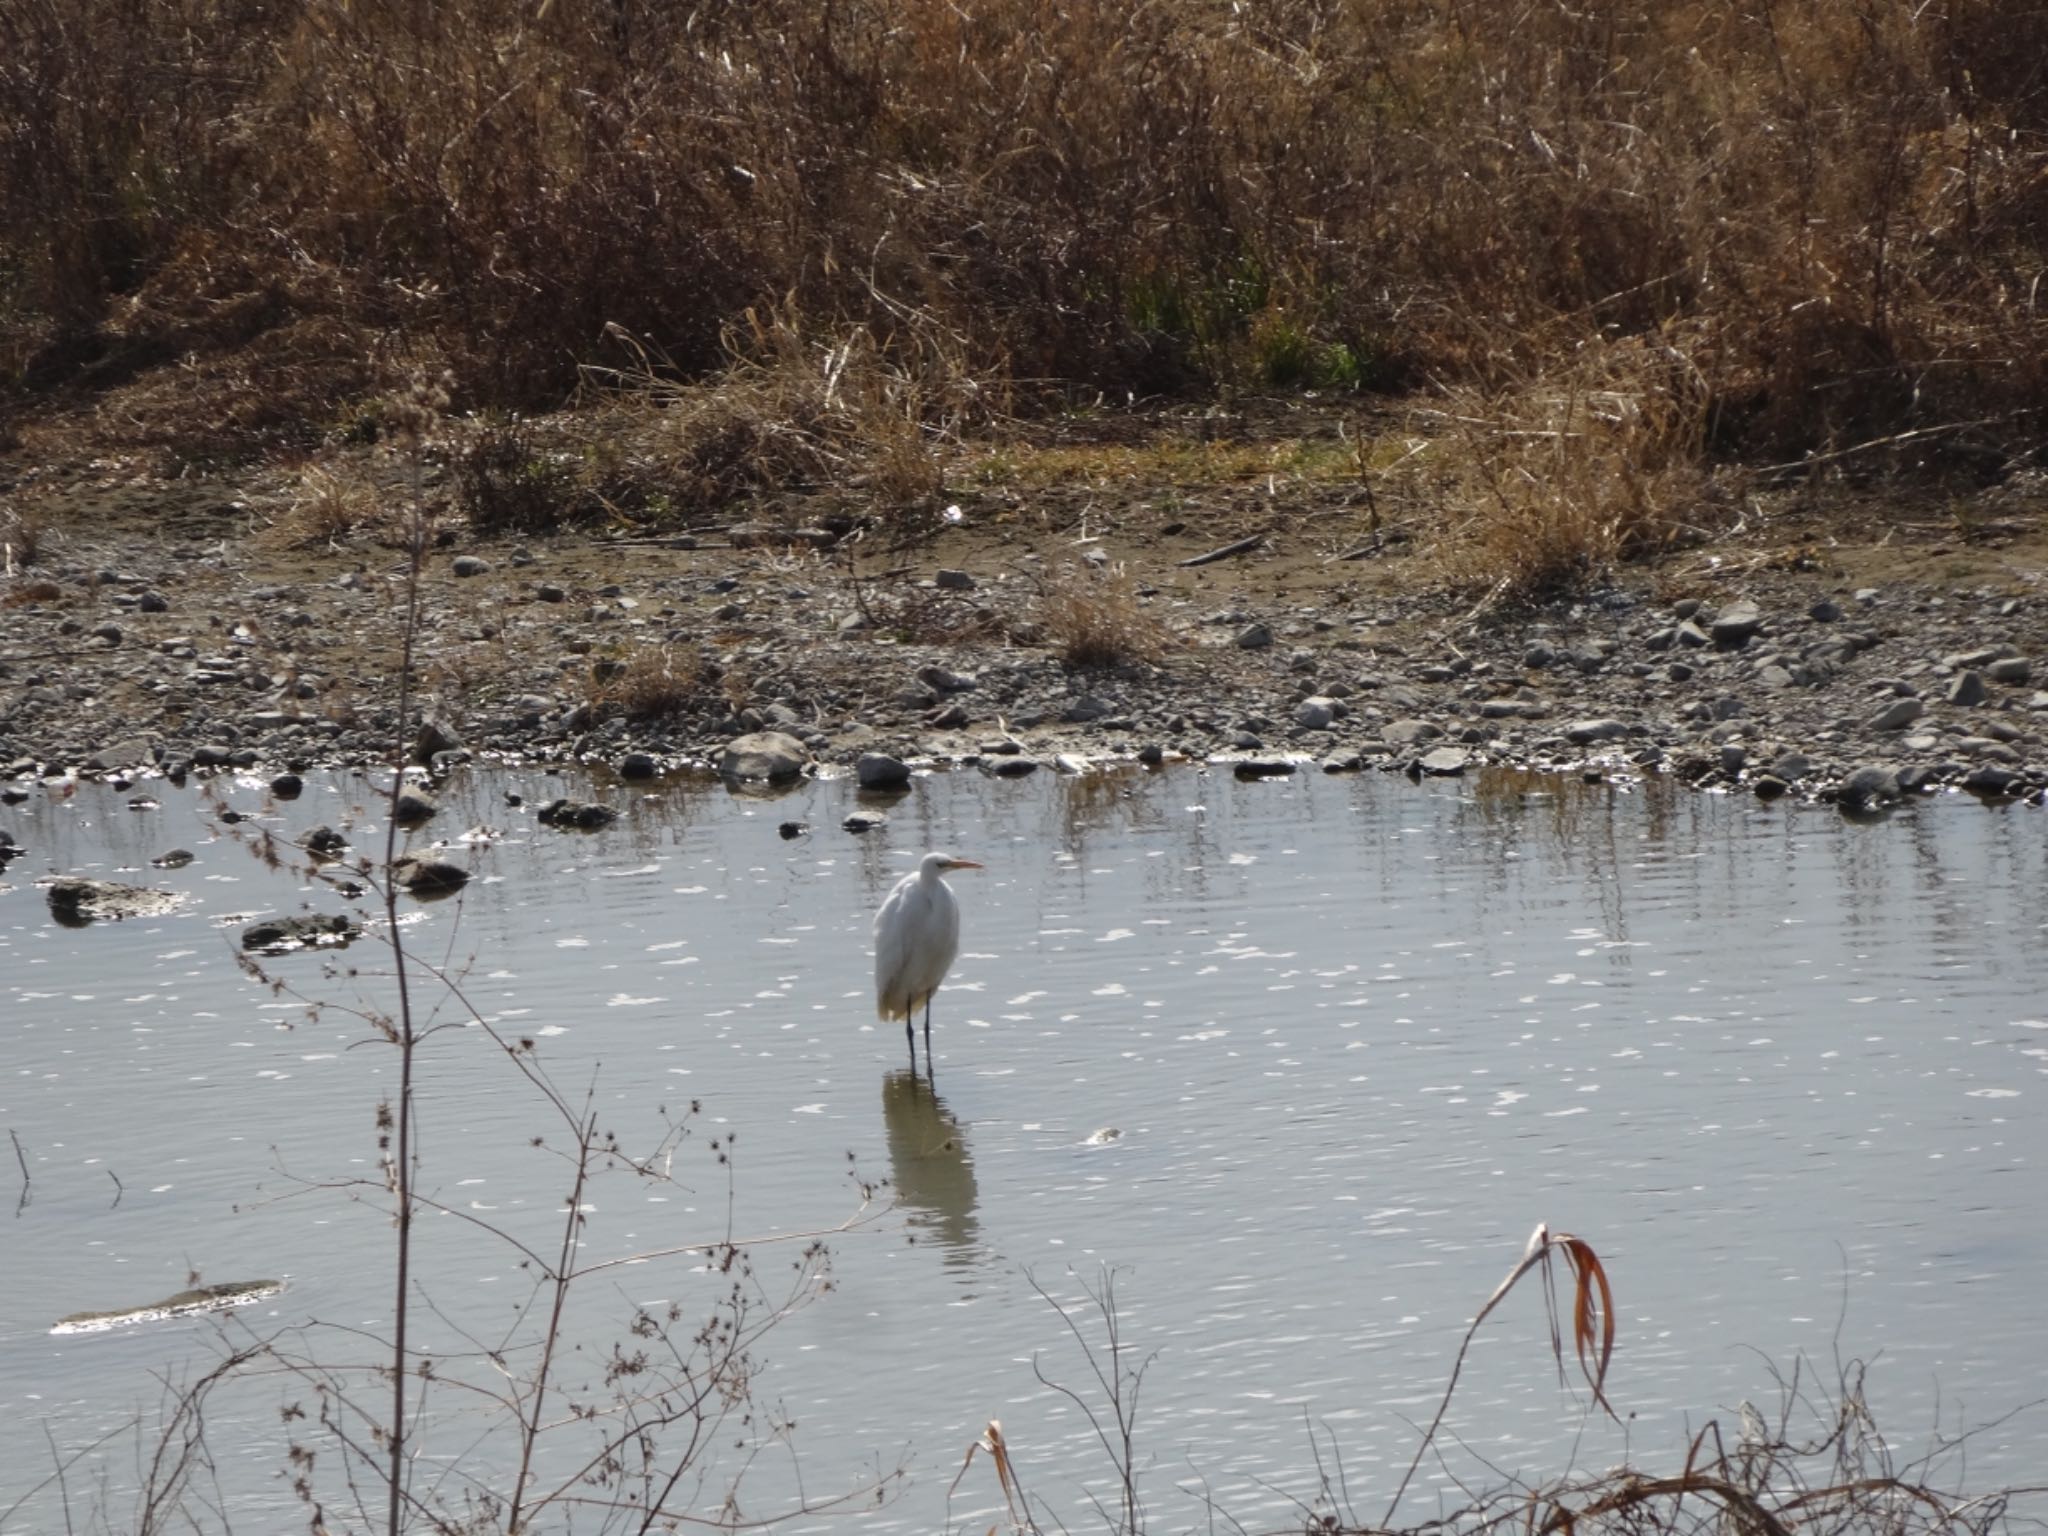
point(928, 1038)
point(910, 1035)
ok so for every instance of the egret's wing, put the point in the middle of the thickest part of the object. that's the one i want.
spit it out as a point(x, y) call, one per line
point(892, 953)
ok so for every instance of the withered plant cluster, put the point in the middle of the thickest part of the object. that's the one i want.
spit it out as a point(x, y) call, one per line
point(1829, 218)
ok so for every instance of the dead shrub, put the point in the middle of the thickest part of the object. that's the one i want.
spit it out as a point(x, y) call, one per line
point(1564, 478)
point(654, 683)
point(798, 409)
point(1097, 620)
point(329, 505)
point(507, 480)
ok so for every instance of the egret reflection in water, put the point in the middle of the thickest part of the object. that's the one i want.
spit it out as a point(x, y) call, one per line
point(929, 1166)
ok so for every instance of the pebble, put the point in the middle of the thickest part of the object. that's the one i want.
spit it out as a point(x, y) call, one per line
point(1254, 637)
point(2010, 669)
point(1013, 767)
point(953, 581)
point(638, 765)
point(470, 565)
point(1897, 715)
point(1582, 733)
point(1445, 762)
point(864, 821)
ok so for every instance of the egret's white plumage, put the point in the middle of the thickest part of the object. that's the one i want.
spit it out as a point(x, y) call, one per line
point(917, 936)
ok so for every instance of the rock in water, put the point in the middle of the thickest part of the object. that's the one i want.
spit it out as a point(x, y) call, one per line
point(429, 877)
point(878, 770)
point(276, 934)
point(771, 755)
point(76, 901)
point(1868, 787)
point(414, 806)
point(583, 815)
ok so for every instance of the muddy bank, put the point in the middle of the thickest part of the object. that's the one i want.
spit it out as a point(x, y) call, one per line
point(166, 632)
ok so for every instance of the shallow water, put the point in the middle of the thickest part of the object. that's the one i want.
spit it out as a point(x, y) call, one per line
point(1305, 1060)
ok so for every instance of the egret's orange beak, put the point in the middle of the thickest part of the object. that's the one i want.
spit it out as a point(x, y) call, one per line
point(962, 864)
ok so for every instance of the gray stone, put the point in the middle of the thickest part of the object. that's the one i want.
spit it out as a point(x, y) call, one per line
point(1691, 634)
point(771, 755)
point(1538, 656)
point(1824, 612)
point(1868, 786)
point(878, 770)
point(1254, 637)
point(470, 565)
point(1733, 757)
point(1262, 767)
point(1316, 713)
point(1086, 708)
point(1792, 766)
point(287, 786)
point(2010, 669)
point(953, 581)
point(1991, 778)
point(323, 840)
point(1445, 762)
point(1151, 754)
point(153, 602)
point(1735, 625)
point(1769, 786)
point(858, 822)
point(1584, 733)
point(1967, 690)
point(1343, 762)
point(1405, 733)
point(638, 765)
point(435, 736)
point(1897, 715)
point(1013, 767)
point(939, 680)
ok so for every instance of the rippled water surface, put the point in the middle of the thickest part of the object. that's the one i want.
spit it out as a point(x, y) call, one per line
point(1303, 1060)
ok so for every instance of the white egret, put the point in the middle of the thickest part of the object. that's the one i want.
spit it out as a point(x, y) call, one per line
point(917, 934)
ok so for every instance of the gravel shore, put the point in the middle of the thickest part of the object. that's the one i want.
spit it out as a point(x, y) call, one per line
point(168, 635)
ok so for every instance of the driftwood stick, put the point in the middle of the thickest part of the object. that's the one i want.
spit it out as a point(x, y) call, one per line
point(1242, 546)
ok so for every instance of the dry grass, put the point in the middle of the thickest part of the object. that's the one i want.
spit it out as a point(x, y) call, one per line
point(654, 683)
point(1097, 620)
point(833, 231)
point(330, 505)
point(1566, 476)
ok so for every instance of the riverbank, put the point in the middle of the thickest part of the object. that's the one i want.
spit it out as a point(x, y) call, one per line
point(1058, 610)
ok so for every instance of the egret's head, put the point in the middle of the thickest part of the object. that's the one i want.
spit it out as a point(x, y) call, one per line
point(934, 864)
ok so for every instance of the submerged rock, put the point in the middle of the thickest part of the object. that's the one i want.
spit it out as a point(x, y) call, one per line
point(584, 815)
point(278, 934)
point(429, 877)
point(203, 1298)
point(76, 900)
